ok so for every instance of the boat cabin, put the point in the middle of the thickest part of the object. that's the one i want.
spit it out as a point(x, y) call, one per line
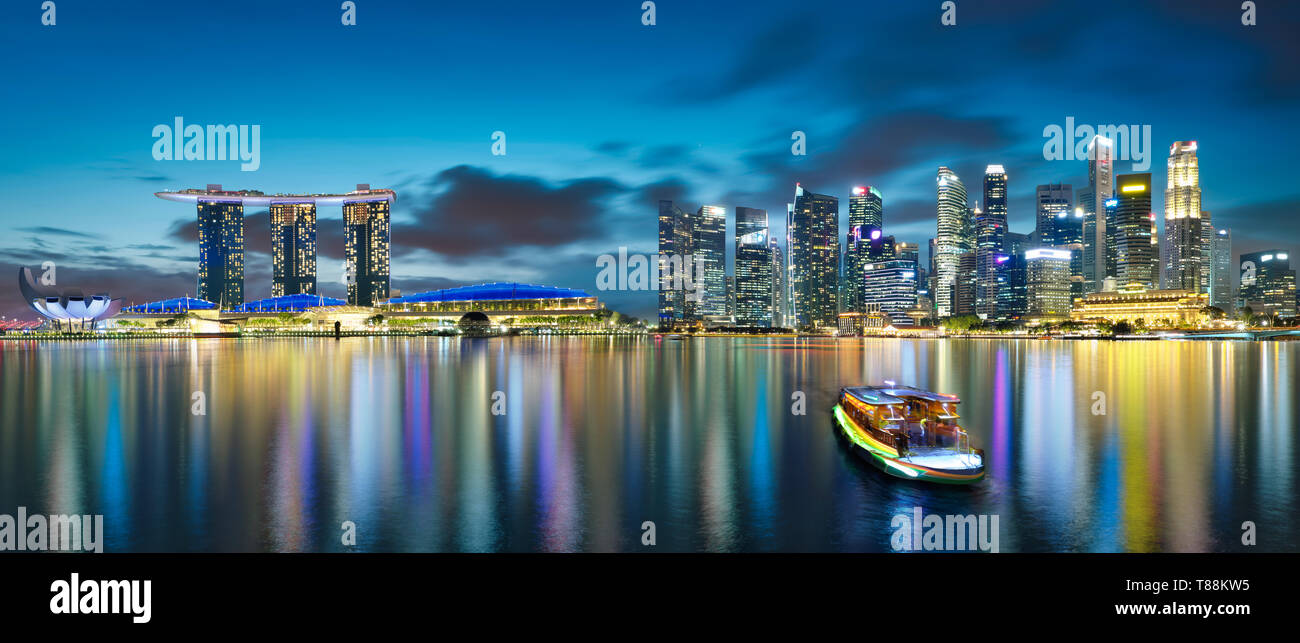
point(908, 419)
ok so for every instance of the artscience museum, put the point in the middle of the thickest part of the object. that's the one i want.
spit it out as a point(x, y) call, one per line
point(68, 307)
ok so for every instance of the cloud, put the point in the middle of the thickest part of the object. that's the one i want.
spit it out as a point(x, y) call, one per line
point(48, 230)
point(472, 212)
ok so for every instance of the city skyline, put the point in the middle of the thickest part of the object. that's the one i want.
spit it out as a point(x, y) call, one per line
point(577, 179)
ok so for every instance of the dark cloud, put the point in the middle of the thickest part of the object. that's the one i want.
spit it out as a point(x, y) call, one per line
point(761, 63)
point(63, 232)
point(257, 234)
point(474, 213)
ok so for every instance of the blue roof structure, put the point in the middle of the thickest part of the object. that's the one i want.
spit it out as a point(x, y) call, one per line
point(171, 306)
point(288, 304)
point(490, 292)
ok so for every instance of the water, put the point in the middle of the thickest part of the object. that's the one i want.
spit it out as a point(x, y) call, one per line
point(601, 434)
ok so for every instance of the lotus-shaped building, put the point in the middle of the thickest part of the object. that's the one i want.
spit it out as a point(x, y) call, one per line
point(70, 306)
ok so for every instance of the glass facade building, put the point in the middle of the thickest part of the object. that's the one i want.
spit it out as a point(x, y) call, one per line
point(990, 236)
point(815, 259)
point(366, 228)
point(1047, 283)
point(1096, 228)
point(890, 287)
point(1268, 283)
point(866, 222)
point(950, 241)
point(754, 280)
point(1184, 239)
point(221, 252)
point(1223, 277)
point(1137, 257)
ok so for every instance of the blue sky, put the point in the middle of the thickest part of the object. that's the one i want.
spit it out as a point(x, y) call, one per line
point(603, 116)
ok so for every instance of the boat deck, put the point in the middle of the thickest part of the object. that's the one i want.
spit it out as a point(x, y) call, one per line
point(939, 458)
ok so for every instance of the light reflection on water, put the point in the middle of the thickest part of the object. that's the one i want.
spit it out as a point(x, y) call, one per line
point(601, 434)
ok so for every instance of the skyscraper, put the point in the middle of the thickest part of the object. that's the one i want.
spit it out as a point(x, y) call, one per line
point(710, 246)
point(1223, 278)
point(1268, 283)
point(950, 241)
point(990, 236)
point(891, 285)
point(1137, 256)
point(1053, 205)
point(778, 283)
point(1207, 250)
point(1048, 283)
point(293, 248)
point(1184, 240)
point(1101, 188)
point(366, 228)
point(221, 250)
point(866, 220)
point(815, 257)
point(753, 278)
point(677, 272)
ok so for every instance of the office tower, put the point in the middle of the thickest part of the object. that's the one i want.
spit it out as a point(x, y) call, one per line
point(1108, 262)
point(749, 220)
point(1207, 250)
point(1018, 243)
point(1223, 278)
point(1183, 236)
point(866, 220)
point(908, 251)
point(1012, 286)
point(990, 227)
point(964, 290)
point(731, 296)
point(366, 225)
point(1101, 188)
point(1047, 283)
point(754, 280)
point(677, 272)
point(1268, 283)
point(891, 286)
point(950, 240)
point(1053, 203)
point(293, 248)
point(1137, 255)
point(221, 250)
point(815, 257)
point(778, 283)
point(710, 245)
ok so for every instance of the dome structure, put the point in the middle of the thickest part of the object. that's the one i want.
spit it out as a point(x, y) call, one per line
point(69, 306)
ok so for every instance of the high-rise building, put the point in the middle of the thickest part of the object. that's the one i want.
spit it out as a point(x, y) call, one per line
point(990, 236)
point(710, 243)
point(1047, 283)
point(815, 257)
point(1207, 250)
point(753, 278)
point(680, 278)
point(1223, 278)
point(950, 241)
point(1013, 295)
point(1053, 206)
point(908, 251)
point(964, 291)
point(1268, 283)
point(891, 286)
point(1137, 256)
point(778, 283)
point(221, 250)
point(293, 248)
point(1184, 241)
point(366, 229)
point(1101, 188)
point(866, 220)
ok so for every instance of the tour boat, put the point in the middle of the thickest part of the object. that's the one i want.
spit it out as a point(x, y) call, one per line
point(909, 433)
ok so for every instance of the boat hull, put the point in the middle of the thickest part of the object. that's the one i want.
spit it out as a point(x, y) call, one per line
point(886, 459)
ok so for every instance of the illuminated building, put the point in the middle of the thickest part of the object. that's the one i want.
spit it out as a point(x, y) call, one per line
point(1184, 241)
point(1137, 256)
point(70, 306)
point(866, 220)
point(366, 221)
point(1013, 294)
point(890, 287)
point(1052, 213)
point(710, 249)
point(1047, 283)
point(1207, 250)
point(293, 248)
point(860, 323)
point(990, 236)
point(778, 283)
point(1223, 278)
point(221, 249)
point(964, 290)
point(675, 269)
point(1101, 188)
point(950, 240)
point(753, 277)
point(815, 259)
point(1268, 283)
point(1141, 307)
point(497, 301)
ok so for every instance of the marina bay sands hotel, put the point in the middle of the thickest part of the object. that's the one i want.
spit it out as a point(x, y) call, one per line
point(366, 224)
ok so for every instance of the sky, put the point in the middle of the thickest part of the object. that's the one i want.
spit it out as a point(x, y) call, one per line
point(603, 116)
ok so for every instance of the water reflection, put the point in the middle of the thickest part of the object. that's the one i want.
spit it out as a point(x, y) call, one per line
point(235, 445)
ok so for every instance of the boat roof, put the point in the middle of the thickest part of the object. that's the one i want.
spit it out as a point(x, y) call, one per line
point(896, 394)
